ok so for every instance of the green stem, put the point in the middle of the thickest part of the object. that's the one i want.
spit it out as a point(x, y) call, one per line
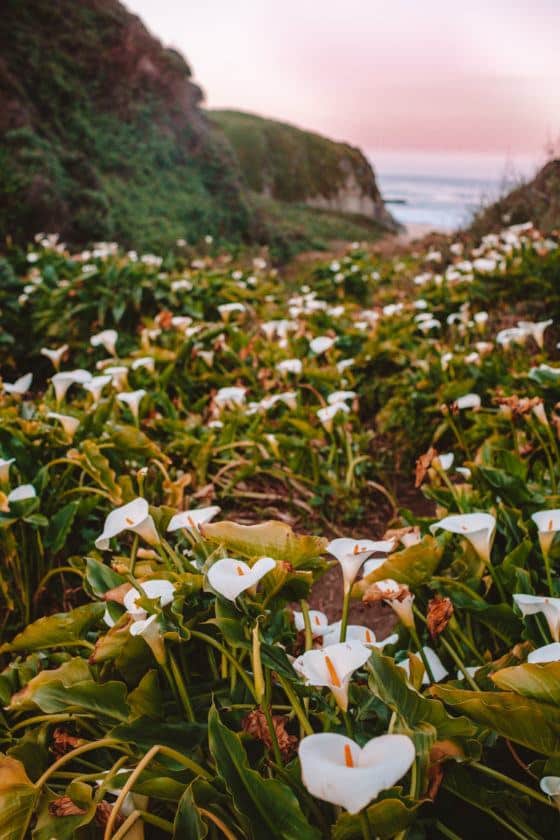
point(181, 688)
point(133, 553)
point(443, 829)
point(495, 774)
point(364, 825)
point(344, 620)
point(548, 571)
point(196, 634)
point(273, 737)
point(296, 705)
point(421, 653)
point(459, 663)
point(307, 622)
point(92, 745)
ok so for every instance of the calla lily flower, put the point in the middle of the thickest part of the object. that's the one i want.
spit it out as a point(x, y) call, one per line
point(132, 399)
point(546, 653)
point(332, 667)
point(351, 554)
point(68, 423)
point(229, 396)
point(5, 464)
point(335, 769)
point(341, 396)
point(134, 516)
point(107, 339)
point(55, 356)
point(192, 519)
point(468, 401)
point(119, 375)
point(344, 364)
point(21, 493)
point(229, 577)
point(355, 633)
point(327, 414)
point(397, 595)
point(290, 366)
point(20, 386)
point(95, 386)
point(62, 381)
point(551, 786)
point(155, 588)
point(478, 528)
point(437, 667)
point(149, 630)
point(446, 460)
point(317, 619)
point(536, 330)
point(226, 309)
point(288, 398)
point(548, 524)
point(550, 607)
point(321, 344)
point(147, 362)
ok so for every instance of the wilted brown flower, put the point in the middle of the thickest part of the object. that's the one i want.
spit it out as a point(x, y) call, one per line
point(62, 742)
point(386, 590)
point(406, 535)
point(423, 465)
point(63, 806)
point(255, 724)
point(164, 318)
point(103, 812)
point(518, 406)
point(440, 610)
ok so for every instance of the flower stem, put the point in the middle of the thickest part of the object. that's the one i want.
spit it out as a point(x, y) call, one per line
point(344, 620)
point(307, 622)
point(421, 652)
point(500, 777)
point(296, 705)
point(364, 825)
point(196, 634)
point(459, 663)
point(181, 688)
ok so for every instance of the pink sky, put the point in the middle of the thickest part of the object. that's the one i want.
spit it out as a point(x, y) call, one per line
point(389, 75)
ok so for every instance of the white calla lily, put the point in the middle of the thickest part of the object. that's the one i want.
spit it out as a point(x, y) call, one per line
point(327, 414)
point(192, 519)
point(155, 588)
point(62, 381)
point(107, 339)
point(551, 786)
point(317, 619)
point(119, 375)
point(437, 667)
point(334, 768)
point(294, 366)
point(548, 524)
point(351, 554)
point(332, 667)
point(20, 386)
point(149, 630)
point(68, 423)
point(535, 329)
point(147, 362)
point(95, 386)
point(134, 516)
point(546, 653)
point(341, 396)
point(54, 356)
point(21, 493)
point(356, 633)
point(132, 399)
point(321, 344)
point(229, 577)
point(230, 396)
point(478, 528)
point(549, 607)
point(468, 401)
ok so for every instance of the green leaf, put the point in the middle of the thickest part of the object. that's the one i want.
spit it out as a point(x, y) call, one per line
point(537, 681)
point(188, 824)
point(530, 723)
point(56, 630)
point(146, 699)
point(413, 566)
point(272, 808)
point(145, 733)
point(108, 700)
point(267, 539)
point(99, 469)
point(75, 670)
point(101, 578)
point(18, 796)
point(387, 816)
point(60, 526)
point(388, 682)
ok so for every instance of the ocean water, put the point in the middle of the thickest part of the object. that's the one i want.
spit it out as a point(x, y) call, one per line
point(445, 190)
point(444, 202)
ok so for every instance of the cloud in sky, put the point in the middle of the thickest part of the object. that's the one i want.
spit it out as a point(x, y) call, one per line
point(482, 76)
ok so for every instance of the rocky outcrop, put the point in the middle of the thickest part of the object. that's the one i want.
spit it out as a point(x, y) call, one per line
point(289, 164)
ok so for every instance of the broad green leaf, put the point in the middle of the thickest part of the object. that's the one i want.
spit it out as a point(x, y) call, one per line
point(107, 700)
point(18, 796)
point(146, 698)
point(60, 526)
point(75, 670)
point(413, 566)
point(56, 630)
point(99, 469)
point(145, 733)
point(388, 682)
point(387, 816)
point(101, 578)
point(528, 722)
point(272, 807)
point(537, 681)
point(188, 824)
point(134, 442)
point(267, 539)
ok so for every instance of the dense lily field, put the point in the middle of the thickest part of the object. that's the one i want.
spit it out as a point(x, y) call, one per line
point(187, 446)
